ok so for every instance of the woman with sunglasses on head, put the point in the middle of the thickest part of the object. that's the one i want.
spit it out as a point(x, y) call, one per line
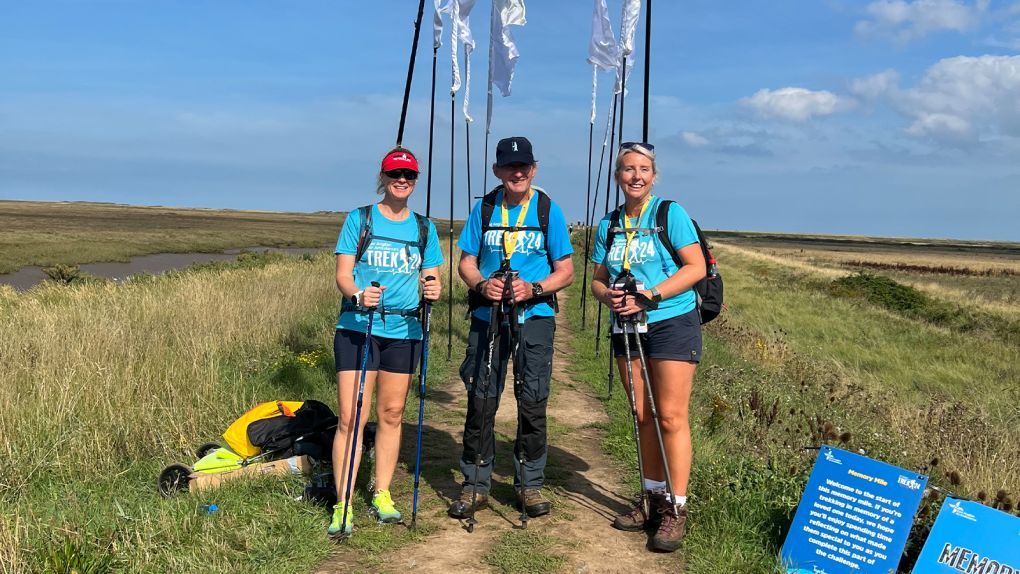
point(385, 254)
point(641, 282)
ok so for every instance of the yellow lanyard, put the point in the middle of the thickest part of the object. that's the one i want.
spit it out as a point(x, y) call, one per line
point(630, 234)
point(510, 239)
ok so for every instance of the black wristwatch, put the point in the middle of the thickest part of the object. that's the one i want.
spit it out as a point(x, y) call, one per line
point(656, 296)
point(537, 290)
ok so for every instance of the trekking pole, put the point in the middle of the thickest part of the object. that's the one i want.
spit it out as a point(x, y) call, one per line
point(515, 339)
point(357, 417)
point(609, 377)
point(623, 322)
point(655, 418)
point(422, 370)
point(494, 326)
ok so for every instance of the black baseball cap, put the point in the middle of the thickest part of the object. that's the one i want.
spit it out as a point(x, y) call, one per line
point(514, 150)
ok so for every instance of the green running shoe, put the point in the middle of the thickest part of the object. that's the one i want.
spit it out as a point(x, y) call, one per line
point(338, 515)
point(382, 507)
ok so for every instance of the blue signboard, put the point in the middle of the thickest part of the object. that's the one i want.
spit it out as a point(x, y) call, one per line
point(971, 537)
point(854, 516)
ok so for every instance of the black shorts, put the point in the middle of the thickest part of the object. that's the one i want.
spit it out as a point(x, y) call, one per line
point(390, 355)
point(677, 338)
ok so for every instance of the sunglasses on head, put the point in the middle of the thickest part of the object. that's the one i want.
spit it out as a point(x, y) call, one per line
point(408, 174)
point(629, 145)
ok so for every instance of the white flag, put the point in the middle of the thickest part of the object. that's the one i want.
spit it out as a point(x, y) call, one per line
point(453, 8)
point(503, 53)
point(464, 23)
point(603, 52)
point(628, 26)
point(437, 26)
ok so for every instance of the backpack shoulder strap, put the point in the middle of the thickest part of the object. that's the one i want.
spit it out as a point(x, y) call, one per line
point(544, 207)
point(423, 235)
point(365, 235)
point(662, 222)
point(705, 247)
point(488, 207)
point(614, 224)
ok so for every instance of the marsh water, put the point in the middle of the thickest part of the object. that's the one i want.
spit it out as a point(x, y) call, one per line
point(28, 277)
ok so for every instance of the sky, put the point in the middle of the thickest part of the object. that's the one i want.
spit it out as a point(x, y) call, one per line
point(887, 117)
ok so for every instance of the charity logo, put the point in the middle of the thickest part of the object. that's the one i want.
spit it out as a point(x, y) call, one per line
point(959, 511)
point(642, 249)
point(829, 457)
point(908, 482)
point(528, 242)
point(392, 259)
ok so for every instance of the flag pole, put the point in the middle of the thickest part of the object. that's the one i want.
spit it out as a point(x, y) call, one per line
point(410, 73)
point(609, 179)
point(432, 131)
point(449, 291)
point(648, 63)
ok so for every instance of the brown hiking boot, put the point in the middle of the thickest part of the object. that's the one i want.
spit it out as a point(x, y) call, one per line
point(534, 503)
point(461, 508)
point(671, 531)
point(635, 520)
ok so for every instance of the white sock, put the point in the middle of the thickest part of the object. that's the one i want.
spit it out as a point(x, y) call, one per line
point(655, 486)
point(680, 500)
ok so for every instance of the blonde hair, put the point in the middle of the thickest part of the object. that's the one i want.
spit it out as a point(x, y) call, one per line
point(638, 149)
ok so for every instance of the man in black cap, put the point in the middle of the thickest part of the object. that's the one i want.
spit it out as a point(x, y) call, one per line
point(516, 256)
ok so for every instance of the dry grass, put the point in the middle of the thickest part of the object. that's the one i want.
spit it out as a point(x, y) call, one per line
point(134, 370)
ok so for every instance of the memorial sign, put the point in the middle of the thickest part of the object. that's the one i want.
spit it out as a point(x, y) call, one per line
point(971, 537)
point(854, 516)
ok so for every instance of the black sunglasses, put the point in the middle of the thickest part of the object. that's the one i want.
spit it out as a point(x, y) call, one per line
point(408, 174)
point(629, 145)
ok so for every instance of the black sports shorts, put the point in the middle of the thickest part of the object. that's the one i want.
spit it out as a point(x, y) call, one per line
point(385, 354)
point(677, 338)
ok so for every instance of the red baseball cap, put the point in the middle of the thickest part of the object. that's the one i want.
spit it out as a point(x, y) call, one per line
point(401, 159)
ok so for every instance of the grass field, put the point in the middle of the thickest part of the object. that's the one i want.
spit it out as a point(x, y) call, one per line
point(104, 384)
point(44, 234)
point(797, 361)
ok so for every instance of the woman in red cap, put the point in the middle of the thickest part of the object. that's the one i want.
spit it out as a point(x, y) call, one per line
point(388, 245)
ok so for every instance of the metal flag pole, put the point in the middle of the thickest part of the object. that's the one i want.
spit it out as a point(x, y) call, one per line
point(648, 61)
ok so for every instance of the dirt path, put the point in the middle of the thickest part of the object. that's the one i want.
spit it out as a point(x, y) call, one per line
point(583, 483)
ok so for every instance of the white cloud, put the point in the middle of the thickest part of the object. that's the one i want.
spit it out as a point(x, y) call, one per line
point(960, 99)
point(693, 140)
point(795, 104)
point(875, 86)
point(909, 20)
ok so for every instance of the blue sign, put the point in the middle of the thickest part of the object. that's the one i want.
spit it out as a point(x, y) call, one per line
point(854, 516)
point(971, 537)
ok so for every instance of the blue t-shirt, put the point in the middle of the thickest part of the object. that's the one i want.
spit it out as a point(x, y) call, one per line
point(394, 265)
point(650, 263)
point(529, 258)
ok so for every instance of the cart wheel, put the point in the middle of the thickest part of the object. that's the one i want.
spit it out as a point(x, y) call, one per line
point(173, 479)
point(206, 449)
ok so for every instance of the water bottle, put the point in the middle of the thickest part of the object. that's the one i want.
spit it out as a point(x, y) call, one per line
point(713, 270)
point(209, 508)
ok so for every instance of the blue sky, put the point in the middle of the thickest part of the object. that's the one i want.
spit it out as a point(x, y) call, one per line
point(887, 117)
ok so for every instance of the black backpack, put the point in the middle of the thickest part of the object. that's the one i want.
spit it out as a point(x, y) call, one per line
point(365, 237)
point(709, 290)
point(476, 300)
